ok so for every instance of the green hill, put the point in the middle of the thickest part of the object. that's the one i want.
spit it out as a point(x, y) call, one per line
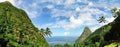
point(84, 35)
point(106, 34)
point(17, 30)
point(96, 37)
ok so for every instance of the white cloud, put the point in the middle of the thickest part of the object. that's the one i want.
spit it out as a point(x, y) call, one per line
point(50, 6)
point(90, 3)
point(18, 2)
point(73, 23)
point(32, 14)
point(59, 2)
point(77, 9)
point(93, 28)
point(57, 13)
point(79, 1)
point(33, 5)
point(110, 19)
point(32, 9)
point(57, 24)
point(66, 33)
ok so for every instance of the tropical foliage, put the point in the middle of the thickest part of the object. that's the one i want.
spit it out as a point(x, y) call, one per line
point(17, 30)
point(46, 32)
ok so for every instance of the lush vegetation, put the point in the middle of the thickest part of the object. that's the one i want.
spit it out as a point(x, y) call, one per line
point(65, 45)
point(113, 45)
point(17, 30)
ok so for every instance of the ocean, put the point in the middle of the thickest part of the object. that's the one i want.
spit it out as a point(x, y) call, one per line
point(61, 40)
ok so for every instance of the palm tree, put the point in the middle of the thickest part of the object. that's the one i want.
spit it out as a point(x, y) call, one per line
point(42, 31)
point(48, 32)
point(102, 20)
point(114, 11)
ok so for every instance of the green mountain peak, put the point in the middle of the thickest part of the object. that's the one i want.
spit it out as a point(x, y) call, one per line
point(84, 35)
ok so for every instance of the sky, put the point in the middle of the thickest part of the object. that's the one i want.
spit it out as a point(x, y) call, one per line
point(67, 17)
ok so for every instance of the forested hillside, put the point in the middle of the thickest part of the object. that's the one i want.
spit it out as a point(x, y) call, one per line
point(17, 30)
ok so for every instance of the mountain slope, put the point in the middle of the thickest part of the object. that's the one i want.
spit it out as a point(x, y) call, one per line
point(17, 30)
point(110, 33)
point(84, 35)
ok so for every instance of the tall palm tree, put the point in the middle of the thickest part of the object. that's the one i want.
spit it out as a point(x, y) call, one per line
point(102, 20)
point(48, 32)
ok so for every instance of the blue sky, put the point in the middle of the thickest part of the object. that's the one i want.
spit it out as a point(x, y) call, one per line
point(67, 17)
